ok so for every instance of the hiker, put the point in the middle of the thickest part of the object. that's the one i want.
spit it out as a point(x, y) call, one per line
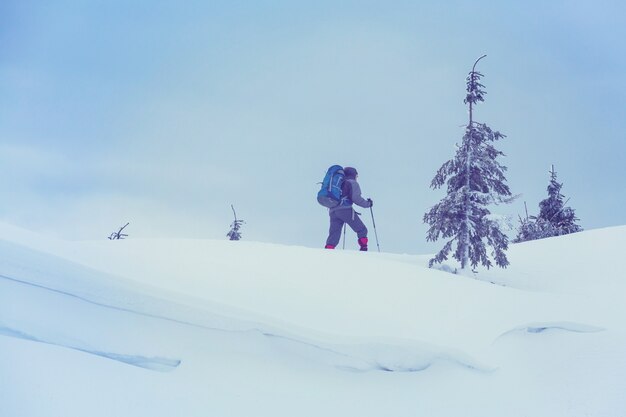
point(344, 213)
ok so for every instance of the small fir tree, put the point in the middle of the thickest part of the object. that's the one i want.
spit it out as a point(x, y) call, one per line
point(554, 218)
point(475, 180)
point(234, 233)
point(553, 211)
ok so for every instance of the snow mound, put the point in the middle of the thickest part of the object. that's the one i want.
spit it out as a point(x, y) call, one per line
point(100, 297)
point(340, 332)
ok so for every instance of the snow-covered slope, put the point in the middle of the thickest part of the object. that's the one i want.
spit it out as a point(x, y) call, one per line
point(197, 328)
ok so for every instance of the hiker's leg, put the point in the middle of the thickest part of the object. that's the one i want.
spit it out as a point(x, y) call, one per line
point(334, 232)
point(356, 224)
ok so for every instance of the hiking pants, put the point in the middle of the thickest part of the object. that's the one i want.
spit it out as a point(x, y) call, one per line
point(337, 219)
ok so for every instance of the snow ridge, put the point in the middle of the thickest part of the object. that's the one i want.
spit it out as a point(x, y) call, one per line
point(154, 364)
point(564, 325)
point(405, 356)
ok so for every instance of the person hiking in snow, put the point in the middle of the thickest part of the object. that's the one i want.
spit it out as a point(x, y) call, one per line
point(344, 213)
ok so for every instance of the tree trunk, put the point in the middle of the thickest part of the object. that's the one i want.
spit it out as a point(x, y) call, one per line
point(464, 240)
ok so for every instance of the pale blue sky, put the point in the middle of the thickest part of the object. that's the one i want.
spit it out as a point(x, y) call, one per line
point(164, 113)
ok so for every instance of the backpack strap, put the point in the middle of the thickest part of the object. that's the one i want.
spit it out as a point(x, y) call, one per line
point(346, 192)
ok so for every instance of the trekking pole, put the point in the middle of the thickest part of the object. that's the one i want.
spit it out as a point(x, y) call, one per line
point(374, 223)
point(344, 235)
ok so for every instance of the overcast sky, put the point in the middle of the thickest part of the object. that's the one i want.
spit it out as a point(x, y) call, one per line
point(163, 113)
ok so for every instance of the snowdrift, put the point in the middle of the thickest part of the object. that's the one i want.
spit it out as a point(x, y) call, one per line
point(194, 327)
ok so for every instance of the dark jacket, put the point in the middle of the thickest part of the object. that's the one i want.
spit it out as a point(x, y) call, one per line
point(351, 193)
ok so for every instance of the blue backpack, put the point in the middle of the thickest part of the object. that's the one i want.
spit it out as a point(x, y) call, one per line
point(330, 193)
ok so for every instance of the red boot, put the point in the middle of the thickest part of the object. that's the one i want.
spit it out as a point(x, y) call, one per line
point(363, 244)
point(329, 247)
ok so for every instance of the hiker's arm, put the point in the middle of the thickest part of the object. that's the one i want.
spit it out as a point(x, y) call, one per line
point(356, 196)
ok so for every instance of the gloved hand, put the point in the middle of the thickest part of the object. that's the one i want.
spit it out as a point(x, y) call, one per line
point(370, 201)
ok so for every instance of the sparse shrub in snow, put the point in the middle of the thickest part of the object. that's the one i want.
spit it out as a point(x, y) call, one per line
point(475, 180)
point(118, 235)
point(234, 233)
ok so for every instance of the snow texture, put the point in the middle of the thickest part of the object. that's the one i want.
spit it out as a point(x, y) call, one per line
point(179, 327)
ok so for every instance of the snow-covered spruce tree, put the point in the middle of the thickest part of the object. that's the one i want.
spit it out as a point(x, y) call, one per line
point(557, 219)
point(475, 180)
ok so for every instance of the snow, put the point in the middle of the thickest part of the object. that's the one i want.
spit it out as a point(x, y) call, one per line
point(217, 328)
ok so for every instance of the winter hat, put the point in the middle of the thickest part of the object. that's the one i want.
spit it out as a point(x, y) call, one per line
point(350, 172)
